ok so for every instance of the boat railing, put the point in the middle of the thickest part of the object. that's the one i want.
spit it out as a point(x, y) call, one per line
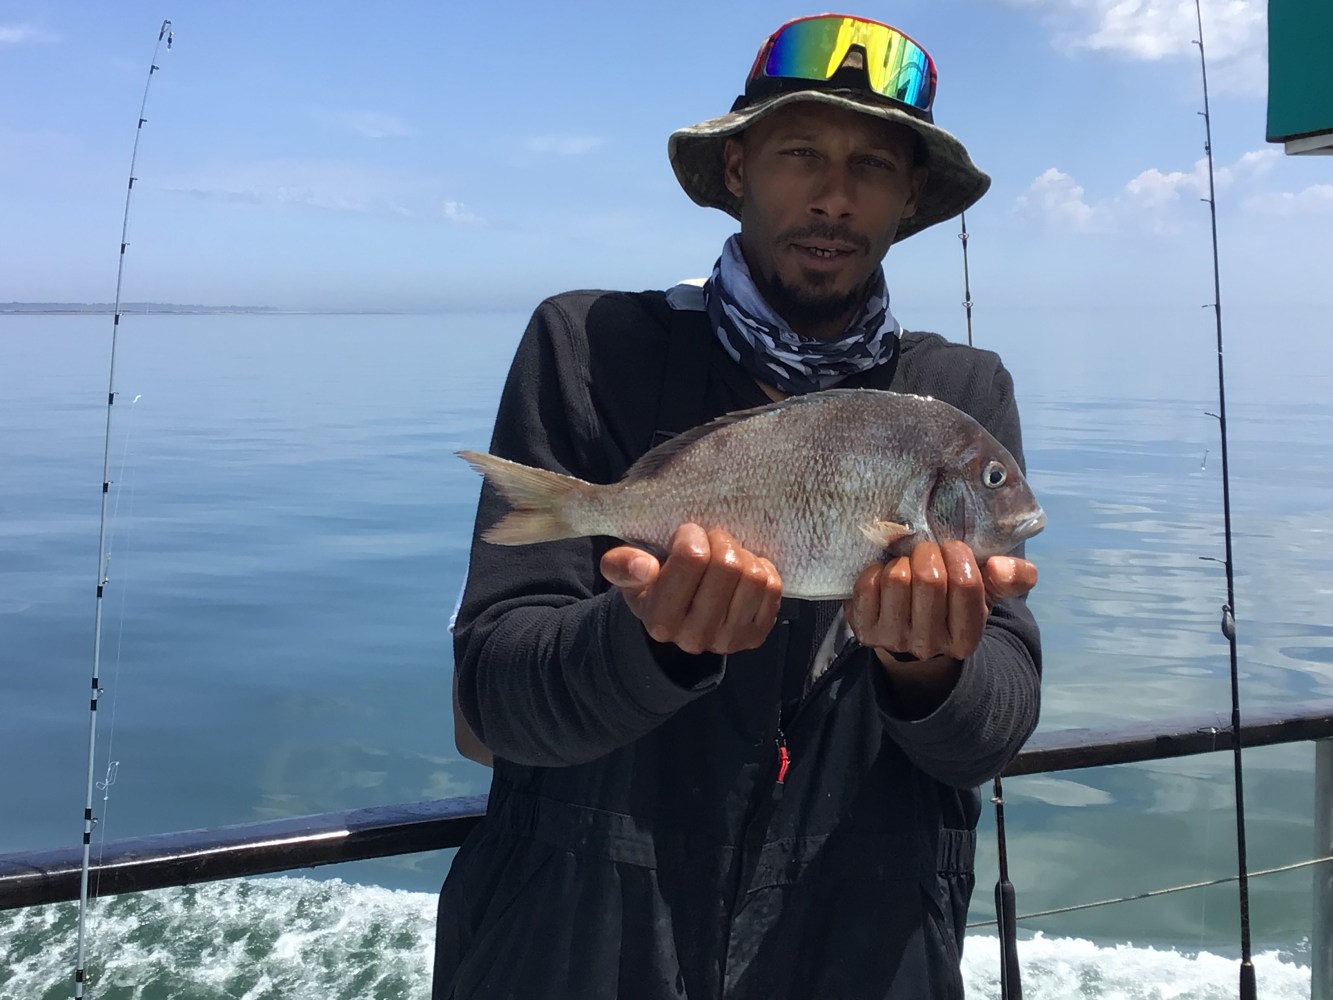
point(138, 864)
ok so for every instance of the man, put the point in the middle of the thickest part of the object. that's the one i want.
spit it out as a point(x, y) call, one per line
point(703, 790)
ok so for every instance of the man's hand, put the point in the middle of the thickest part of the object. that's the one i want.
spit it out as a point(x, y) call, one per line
point(931, 605)
point(710, 595)
point(933, 602)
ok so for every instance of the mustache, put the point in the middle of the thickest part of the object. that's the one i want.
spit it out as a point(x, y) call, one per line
point(824, 231)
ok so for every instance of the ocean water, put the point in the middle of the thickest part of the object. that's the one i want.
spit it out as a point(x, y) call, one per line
point(290, 530)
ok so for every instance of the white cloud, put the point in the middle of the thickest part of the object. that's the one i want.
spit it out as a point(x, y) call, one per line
point(22, 34)
point(1156, 29)
point(1153, 188)
point(1059, 199)
point(1146, 201)
point(1252, 165)
point(457, 213)
point(1233, 33)
point(369, 124)
point(563, 145)
point(1316, 199)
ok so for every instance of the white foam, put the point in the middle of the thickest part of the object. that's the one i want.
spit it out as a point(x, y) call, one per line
point(260, 938)
point(299, 938)
point(1061, 968)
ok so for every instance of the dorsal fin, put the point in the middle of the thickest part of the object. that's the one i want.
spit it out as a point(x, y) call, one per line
point(658, 458)
point(661, 456)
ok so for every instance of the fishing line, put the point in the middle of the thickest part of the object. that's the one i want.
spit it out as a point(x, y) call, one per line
point(113, 765)
point(1247, 981)
point(102, 548)
point(1011, 983)
point(1154, 893)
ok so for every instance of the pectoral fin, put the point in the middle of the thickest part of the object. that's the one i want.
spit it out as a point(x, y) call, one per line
point(885, 533)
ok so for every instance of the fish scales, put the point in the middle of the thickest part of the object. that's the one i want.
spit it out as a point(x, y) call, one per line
point(822, 485)
point(793, 485)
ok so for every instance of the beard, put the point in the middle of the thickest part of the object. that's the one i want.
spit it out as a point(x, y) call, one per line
point(807, 305)
point(813, 304)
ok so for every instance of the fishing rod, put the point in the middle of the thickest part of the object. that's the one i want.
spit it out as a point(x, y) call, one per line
point(1006, 907)
point(1247, 981)
point(967, 282)
point(164, 34)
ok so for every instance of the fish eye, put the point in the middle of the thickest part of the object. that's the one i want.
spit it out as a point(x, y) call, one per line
point(994, 474)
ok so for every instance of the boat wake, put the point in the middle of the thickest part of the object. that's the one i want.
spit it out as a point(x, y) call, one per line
point(302, 939)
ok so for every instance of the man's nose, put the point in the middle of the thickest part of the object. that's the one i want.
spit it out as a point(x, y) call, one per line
point(834, 195)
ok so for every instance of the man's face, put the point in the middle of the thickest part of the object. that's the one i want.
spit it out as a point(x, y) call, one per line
point(822, 191)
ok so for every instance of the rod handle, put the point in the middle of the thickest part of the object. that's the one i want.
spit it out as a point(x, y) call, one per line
point(1006, 912)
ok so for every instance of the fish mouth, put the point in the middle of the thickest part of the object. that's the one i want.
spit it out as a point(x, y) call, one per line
point(1032, 526)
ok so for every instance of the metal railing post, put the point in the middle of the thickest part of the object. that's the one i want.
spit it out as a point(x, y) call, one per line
point(1321, 936)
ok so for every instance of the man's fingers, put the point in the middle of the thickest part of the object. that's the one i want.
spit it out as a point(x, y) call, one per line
point(930, 602)
point(754, 607)
point(708, 595)
point(767, 615)
point(1008, 577)
point(895, 605)
point(673, 592)
point(862, 608)
point(701, 625)
point(711, 594)
point(880, 608)
point(736, 603)
point(629, 568)
point(967, 600)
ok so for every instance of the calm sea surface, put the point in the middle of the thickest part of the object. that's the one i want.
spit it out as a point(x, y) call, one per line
point(289, 534)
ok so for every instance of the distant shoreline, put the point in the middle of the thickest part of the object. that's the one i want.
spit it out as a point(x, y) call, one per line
point(108, 308)
point(168, 309)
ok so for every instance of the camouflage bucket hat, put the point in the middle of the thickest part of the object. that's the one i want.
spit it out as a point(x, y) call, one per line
point(953, 183)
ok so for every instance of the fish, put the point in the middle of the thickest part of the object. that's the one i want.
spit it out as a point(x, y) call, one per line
point(821, 484)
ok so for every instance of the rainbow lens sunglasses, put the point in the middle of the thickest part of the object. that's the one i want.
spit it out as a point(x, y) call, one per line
point(811, 50)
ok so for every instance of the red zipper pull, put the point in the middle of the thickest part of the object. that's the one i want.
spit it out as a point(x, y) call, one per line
point(784, 762)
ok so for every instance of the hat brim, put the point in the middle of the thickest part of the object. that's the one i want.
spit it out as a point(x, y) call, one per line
point(953, 185)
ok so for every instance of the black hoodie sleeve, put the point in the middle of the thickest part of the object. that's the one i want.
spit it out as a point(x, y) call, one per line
point(553, 668)
point(994, 707)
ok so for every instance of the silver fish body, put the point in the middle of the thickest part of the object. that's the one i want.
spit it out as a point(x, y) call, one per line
point(822, 485)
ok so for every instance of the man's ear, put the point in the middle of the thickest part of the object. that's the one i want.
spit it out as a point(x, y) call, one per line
point(733, 166)
point(919, 175)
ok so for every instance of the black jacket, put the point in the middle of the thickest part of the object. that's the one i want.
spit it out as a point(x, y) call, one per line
point(637, 843)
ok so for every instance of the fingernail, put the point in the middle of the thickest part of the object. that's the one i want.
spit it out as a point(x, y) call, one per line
point(640, 568)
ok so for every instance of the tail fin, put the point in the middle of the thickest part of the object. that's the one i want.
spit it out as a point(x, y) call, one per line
point(536, 496)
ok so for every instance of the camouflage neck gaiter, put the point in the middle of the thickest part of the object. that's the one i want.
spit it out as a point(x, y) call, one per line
point(762, 343)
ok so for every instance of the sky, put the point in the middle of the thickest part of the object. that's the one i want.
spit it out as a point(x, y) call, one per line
point(429, 156)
